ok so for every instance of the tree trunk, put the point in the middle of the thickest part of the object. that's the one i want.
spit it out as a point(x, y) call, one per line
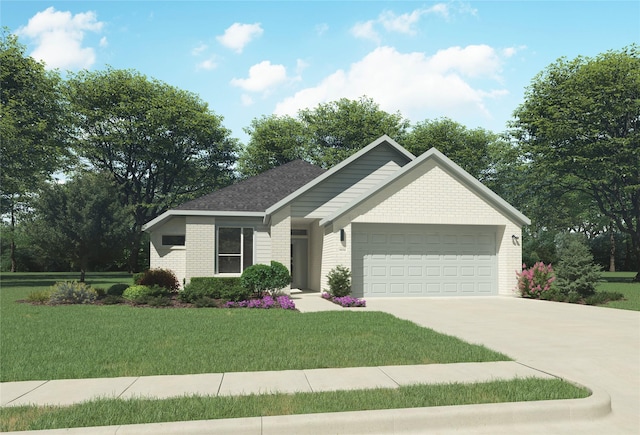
point(135, 251)
point(612, 251)
point(12, 245)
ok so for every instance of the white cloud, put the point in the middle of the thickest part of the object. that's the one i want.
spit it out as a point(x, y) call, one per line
point(246, 100)
point(417, 85)
point(58, 37)
point(262, 77)
point(239, 35)
point(104, 42)
point(196, 51)
point(402, 24)
point(301, 65)
point(365, 31)
point(207, 64)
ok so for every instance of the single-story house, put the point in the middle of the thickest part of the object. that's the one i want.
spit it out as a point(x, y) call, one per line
point(404, 226)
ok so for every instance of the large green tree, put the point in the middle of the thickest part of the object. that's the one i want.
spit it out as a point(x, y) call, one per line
point(273, 141)
point(81, 221)
point(471, 149)
point(340, 128)
point(578, 129)
point(162, 145)
point(32, 128)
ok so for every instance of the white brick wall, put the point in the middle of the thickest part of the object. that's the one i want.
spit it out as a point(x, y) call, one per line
point(201, 246)
point(281, 236)
point(164, 257)
point(436, 197)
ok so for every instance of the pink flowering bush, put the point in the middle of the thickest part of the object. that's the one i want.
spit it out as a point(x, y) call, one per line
point(534, 281)
point(345, 301)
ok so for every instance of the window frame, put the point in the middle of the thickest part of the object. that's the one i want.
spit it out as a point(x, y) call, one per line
point(173, 245)
point(241, 255)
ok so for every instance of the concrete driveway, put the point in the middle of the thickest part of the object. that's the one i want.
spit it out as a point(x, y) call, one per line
point(593, 346)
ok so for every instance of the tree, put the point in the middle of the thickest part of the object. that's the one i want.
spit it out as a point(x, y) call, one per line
point(32, 128)
point(161, 145)
point(81, 221)
point(470, 149)
point(340, 128)
point(274, 141)
point(579, 130)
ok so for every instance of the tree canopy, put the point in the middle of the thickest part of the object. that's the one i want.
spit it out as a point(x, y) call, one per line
point(161, 145)
point(578, 128)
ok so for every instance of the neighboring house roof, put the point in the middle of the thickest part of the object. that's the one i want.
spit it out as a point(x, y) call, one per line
point(259, 192)
point(249, 197)
point(456, 171)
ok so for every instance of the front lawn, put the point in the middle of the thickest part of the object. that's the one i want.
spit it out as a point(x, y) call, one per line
point(88, 341)
point(621, 282)
point(107, 412)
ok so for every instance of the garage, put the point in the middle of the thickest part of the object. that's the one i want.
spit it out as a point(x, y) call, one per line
point(403, 260)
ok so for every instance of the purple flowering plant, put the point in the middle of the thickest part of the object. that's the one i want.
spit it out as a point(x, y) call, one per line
point(345, 301)
point(535, 280)
point(266, 302)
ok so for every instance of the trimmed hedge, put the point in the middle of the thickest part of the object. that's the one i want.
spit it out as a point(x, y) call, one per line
point(229, 289)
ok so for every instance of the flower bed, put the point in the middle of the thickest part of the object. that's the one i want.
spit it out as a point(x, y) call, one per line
point(345, 301)
point(265, 302)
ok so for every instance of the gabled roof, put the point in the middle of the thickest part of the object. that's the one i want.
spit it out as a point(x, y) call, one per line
point(463, 176)
point(249, 197)
point(259, 192)
point(383, 140)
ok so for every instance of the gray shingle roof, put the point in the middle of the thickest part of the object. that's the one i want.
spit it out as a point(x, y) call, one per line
point(259, 192)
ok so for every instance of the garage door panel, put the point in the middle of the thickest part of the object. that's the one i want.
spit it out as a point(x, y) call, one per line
point(425, 260)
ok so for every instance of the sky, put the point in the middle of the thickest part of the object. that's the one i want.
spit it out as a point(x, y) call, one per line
point(467, 61)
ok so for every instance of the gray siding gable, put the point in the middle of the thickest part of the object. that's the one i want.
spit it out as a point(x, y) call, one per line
point(349, 183)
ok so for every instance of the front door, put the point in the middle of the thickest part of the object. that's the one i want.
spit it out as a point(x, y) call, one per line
point(299, 263)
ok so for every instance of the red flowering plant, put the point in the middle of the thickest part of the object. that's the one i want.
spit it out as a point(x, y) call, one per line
point(535, 280)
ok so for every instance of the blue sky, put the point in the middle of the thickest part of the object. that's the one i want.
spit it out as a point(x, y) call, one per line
point(469, 61)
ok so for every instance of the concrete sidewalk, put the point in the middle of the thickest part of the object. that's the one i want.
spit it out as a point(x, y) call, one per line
point(71, 391)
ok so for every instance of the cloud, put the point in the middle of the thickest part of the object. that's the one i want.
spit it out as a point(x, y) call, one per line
point(262, 77)
point(365, 31)
point(201, 48)
point(417, 85)
point(58, 37)
point(239, 35)
point(207, 64)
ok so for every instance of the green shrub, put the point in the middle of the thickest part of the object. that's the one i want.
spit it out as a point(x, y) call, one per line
point(117, 289)
point(112, 300)
point(206, 302)
point(39, 297)
point(600, 298)
point(72, 292)
point(535, 281)
point(141, 294)
point(100, 292)
point(158, 301)
point(576, 270)
point(229, 289)
point(339, 280)
point(160, 277)
point(261, 278)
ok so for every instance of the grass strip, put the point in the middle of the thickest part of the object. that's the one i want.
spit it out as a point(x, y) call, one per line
point(106, 412)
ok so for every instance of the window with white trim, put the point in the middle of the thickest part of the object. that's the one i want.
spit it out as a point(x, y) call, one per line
point(235, 249)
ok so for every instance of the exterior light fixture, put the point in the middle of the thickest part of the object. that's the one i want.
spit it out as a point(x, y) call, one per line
point(515, 238)
point(343, 235)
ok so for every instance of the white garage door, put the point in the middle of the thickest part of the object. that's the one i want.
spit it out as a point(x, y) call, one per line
point(423, 260)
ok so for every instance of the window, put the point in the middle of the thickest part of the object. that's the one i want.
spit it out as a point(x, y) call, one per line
point(172, 240)
point(235, 249)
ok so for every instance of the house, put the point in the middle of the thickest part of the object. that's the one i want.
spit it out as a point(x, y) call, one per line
point(404, 226)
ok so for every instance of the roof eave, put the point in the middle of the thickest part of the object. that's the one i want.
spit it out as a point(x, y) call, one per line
point(213, 213)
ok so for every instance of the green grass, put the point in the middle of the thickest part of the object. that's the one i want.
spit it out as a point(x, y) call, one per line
point(42, 342)
point(106, 412)
point(621, 282)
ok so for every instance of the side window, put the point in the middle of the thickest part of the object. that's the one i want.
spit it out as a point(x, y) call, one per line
point(168, 240)
point(235, 249)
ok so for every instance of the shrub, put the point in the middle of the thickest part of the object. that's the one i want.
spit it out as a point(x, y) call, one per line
point(141, 294)
point(229, 289)
point(345, 301)
point(339, 280)
point(576, 271)
point(536, 280)
point(72, 292)
point(100, 292)
point(112, 300)
point(39, 297)
point(261, 278)
point(160, 277)
point(266, 302)
point(206, 302)
point(117, 289)
point(600, 298)
point(158, 301)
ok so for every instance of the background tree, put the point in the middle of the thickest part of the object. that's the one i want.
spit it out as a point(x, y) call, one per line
point(81, 221)
point(470, 149)
point(32, 129)
point(273, 141)
point(579, 130)
point(161, 145)
point(340, 128)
